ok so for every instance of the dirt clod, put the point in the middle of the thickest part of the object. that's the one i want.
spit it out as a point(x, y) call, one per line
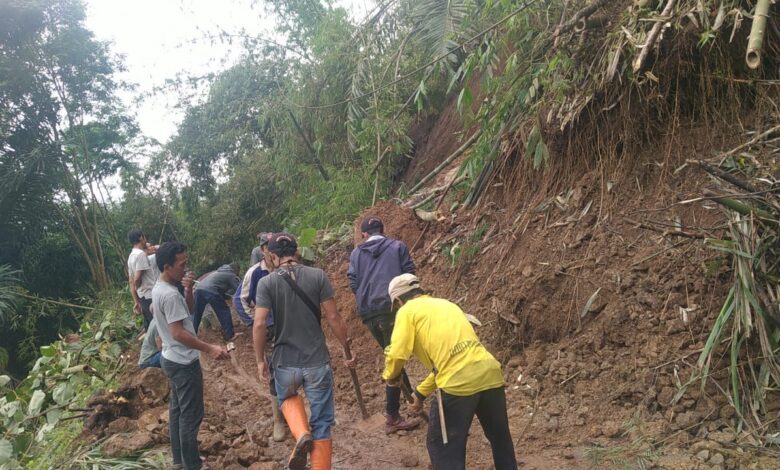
point(410, 461)
point(121, 445)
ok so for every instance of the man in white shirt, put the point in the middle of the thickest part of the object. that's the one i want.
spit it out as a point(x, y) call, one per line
point(141, 275)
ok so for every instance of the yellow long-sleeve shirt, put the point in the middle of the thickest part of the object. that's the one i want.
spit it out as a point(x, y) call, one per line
point(438, 334)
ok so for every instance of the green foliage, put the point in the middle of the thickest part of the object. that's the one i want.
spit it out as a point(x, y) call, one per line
point(9, 289)
point(60, 382)
point(61, 133)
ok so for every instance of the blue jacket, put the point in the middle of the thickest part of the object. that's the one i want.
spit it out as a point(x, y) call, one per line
point(372, 265)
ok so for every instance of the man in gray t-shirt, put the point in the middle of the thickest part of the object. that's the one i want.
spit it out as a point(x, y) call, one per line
point(215, 289)
point(300, 357)
point(171, 300)
point(151, 348)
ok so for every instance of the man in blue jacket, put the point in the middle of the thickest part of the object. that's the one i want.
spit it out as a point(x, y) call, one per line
point(371, 267)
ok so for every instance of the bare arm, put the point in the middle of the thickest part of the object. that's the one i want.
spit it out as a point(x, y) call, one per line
point(259, 334)
point(188, 339)
point(335, 321)
point(135, 283)
point(158, 343)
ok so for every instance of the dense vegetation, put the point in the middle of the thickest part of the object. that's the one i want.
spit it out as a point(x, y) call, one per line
point(304, 132)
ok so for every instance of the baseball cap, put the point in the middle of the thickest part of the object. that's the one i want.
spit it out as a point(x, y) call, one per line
point(402, 284)
point(371, 222)
point(280, 241)
point(264, 237)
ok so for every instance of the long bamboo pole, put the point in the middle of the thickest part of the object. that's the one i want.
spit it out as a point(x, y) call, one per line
point(446, 162)
point(756, 38)
point(655, 32)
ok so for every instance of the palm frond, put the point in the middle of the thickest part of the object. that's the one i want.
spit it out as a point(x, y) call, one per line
point(9, 288)
point(438, 23)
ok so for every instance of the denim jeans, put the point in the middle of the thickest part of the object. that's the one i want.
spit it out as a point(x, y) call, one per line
point(153, 361)
point(185, 411)
point(317, 382)
point(490, 408)
point(381, 329)
point(203, 297)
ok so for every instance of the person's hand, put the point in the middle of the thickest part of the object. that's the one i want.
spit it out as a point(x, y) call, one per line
point(416, 405)
point(351, 363)
point(262, 371)
point(218, 352)
point(187, 281)
point(137, 308)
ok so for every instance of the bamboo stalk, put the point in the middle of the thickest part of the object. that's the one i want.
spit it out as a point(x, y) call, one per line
point(653, 36)
point(756, 38)
point(446, 162)
point(591, 22)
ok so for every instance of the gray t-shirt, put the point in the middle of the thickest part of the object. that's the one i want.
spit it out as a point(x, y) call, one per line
point(169, 306)
point(223, 282)
point(138, 261)
point(299, 341)
point(149, 346)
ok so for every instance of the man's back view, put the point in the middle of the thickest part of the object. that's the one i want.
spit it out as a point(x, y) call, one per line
point(372, 265)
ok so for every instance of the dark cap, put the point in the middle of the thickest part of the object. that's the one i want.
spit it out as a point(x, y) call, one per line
point(371, 222)
point(264, 237)
point(281, 242)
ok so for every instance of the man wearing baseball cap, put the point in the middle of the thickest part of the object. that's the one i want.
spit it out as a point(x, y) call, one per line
point(299, 296)
point(371, 267)
point(467, 376)
point(244, 302)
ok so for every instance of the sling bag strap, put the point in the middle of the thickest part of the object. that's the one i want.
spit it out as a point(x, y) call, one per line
point(301, 295)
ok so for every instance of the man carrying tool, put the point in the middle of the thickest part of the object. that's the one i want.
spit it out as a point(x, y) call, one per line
point(371, 267)
point(244, 301)
point(466, 377)
point(215, 287)
point(297, 294)
point(172, 300)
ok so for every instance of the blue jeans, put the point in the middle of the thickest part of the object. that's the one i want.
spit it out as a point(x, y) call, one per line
point(317, 382)
point(203, 297)
point(153, 361)
point(185, 410)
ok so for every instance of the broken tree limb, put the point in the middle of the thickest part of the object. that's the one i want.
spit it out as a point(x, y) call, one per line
point(726, 176)
point(665, 232)
point(446, 161)
point(756, 38)
point(653, 36)
point(436, 191)
point(591, 22)
point(752, 141)
point(583, 13)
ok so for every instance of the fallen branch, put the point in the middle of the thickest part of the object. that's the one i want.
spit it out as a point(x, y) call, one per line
point(750, 142)
point(436, 191)
point(653, 36)
point(725, 176)
point(663, 232)
point(583, 13)
point(446, 162)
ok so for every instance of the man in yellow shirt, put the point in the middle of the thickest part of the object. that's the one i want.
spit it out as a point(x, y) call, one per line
point(469, 378)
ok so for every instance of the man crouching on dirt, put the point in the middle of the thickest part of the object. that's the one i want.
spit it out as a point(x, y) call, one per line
point(468, 377)
point(296, 294)
point(171, 302)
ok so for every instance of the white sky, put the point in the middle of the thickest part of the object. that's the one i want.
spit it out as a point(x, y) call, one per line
point(162, 38)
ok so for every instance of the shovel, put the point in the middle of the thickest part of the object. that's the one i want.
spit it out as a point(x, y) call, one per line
point(356, 384)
